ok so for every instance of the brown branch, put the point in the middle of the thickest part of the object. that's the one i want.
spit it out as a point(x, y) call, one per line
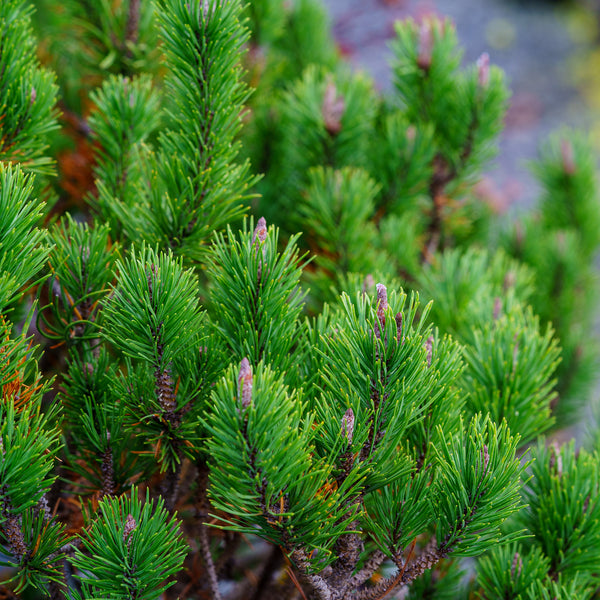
point(443, 174)
point(211, 572)
point(133, 22)
point(202, 514)
point(169, 488)
point(369, 568)
point(319, 586)
point(380, 591)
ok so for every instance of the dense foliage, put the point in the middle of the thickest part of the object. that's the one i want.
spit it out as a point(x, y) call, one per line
point(262, 337)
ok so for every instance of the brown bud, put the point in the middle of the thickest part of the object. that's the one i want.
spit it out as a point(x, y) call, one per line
point(497, 308)
point(483, 70)
point(425, 46)
point(33, 95)
point(429, 348)
point(382, 303)
point(348, 425)
point(245, 383)
point(510, 280)
point(517, 566)
point(398, 319)
point(568, 158)
point(368, 284)
point(332, 109)
point(130, 525)
point(556, 459)
point(260, 232)
point(486, 458)
point(258, 240)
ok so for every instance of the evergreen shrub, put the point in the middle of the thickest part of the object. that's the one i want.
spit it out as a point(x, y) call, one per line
point(262, 338)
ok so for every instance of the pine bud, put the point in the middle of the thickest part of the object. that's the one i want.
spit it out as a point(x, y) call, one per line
point(568, 158)
point(130, 525)
point(429, 348)
point(486, 458)
point(517, 566)
point(398, 319)
point(44, 506)
point(348, 425)
point(483, 70)
point(510, 280)
point(258, 240)
point(245, 383)
point(33, 95)
point(332, 109)
point(497, 308)
point(555, 459)
point(368, 284)
point(260, 232)
point(382, 303)
point(425, 46)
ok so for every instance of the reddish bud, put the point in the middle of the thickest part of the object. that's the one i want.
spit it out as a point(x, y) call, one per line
point(245, 383)
point(368, 284)
point(332, 109)
point(348, 425)
point(483, 70)
point(425, 46)
point(382, 303)
point(510, 280)
point(260, 232)
point(429, 348)
point(517, 566)
point(398, 319)
point(33, 95)
point(497, 308)
point(568, 158)
point(556, 459)
point(486, 458)
point(130, 525)
point(258, 240)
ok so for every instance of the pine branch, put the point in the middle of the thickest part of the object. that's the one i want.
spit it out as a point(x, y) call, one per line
point(202, 511)
point(367, 570)
point(316, 583)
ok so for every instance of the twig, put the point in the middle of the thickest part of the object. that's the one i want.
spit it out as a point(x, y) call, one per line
point(203, 536)
point(208, 562)
point(379, 592)
point(316, 582)
point(371, 565)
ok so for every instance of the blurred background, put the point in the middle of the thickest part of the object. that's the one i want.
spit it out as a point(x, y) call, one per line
point(549, 50)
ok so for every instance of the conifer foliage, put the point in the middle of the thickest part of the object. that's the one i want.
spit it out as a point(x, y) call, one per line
point(282, 350)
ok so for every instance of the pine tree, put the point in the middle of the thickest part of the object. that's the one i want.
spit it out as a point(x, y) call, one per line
point(279, 348)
